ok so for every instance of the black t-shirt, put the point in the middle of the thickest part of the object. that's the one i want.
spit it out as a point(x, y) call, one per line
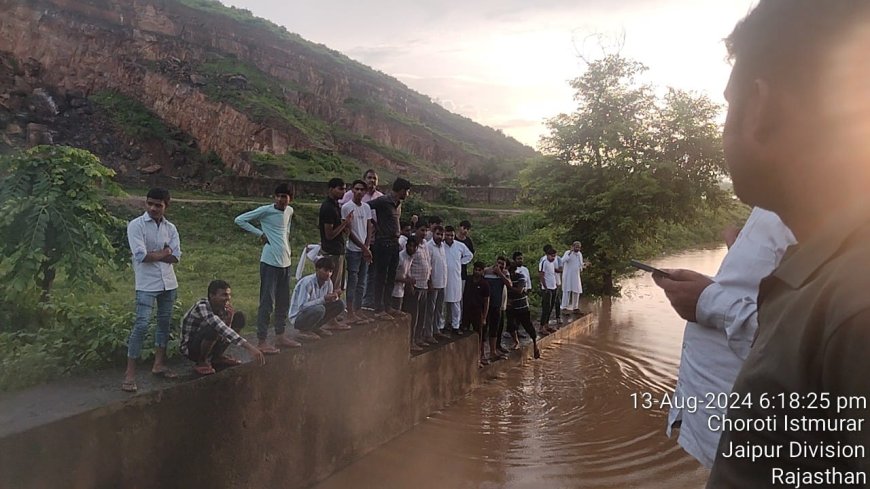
point(473, 297)
point(330, 213)
point(470, 245)
point(517, 299)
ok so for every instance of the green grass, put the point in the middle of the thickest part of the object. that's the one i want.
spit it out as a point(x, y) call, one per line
point(307, 165)
point(130, 116)
point(262, 99)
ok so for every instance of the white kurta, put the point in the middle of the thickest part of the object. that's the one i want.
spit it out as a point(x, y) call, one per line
point(572, 264)
point(457, 255)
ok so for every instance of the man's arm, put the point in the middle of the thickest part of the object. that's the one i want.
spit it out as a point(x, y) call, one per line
point(174, 246)
point(331, 229)
point(136, 240)
point(467, 255)
point(244, 222)
point(697, 298)
point(347, 215)
point(229, 334)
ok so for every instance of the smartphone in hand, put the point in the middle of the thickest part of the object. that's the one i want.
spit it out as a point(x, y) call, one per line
point(648, 268)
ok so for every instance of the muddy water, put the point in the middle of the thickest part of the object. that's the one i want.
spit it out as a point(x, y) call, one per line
point(566, 421)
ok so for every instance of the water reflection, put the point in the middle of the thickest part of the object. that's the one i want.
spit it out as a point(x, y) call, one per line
point(566, 421)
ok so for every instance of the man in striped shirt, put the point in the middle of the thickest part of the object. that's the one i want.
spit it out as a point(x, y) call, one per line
point(210, 327)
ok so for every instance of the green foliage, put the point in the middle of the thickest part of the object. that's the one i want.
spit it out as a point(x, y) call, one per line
point(451, 196)
point(52, 218)
point(130, 116)
point(624, 163)
point(75, 337)
point(305, 164)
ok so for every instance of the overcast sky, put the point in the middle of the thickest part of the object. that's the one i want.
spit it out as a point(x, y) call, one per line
point(506, 63)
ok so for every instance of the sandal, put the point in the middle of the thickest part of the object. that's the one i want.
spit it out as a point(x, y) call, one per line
point(165, 373)
point(203, 369)
point(129, 386)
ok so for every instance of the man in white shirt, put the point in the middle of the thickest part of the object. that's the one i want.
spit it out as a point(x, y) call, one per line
point(156, 247)
point(438, 260)
point(370, 177)
point(403, 273)
point(359, 256)
point(314, 302)
point(722, 319)
point(458, 255)
point(548, 274)
point(572, 287)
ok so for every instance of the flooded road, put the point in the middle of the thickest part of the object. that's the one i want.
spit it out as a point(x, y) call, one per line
point(565, 421)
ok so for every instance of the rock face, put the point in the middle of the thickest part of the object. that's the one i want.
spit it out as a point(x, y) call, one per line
point(236, 86)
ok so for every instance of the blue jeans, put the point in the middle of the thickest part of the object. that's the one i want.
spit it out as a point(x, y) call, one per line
point(357, 273)
point(313, 317)
point(274, 289)
point(144, 307)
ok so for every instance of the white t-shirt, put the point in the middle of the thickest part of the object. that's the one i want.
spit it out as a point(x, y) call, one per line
point(402, 271)
point(362, 214)
point(550, 275)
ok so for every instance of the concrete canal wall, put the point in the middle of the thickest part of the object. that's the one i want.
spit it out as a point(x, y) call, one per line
point(305, 415)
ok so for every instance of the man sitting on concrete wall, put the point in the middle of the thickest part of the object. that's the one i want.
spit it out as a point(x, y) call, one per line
point(314, 302)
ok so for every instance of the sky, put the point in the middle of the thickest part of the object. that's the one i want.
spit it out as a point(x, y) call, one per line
point(507, 63)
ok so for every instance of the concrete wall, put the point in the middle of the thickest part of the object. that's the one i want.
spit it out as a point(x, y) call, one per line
point(293, 422)
point(301, 417)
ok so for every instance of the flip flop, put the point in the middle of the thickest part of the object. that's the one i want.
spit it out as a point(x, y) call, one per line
point(129, 386)
point(268, 350)
point(203, 369)
point(165, 373)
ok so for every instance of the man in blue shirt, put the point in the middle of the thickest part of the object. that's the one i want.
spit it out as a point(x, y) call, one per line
point(275, 272)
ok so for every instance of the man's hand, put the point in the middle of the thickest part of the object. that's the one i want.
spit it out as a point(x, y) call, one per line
point(255, 352)
point(367, 254)
point(230, 313)
point(263, 239)
point(683, 289)
point(332, 296)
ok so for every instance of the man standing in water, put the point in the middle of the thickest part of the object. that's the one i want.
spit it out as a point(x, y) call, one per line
point(275, 272)
point(722, 319)
point(796, 143)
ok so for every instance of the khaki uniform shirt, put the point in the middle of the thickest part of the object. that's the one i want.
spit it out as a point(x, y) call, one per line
point(798, 413)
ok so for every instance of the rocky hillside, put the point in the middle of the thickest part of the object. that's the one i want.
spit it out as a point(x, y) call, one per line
point(193, 88)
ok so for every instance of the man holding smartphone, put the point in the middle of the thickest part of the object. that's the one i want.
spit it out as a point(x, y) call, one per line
point(722, 319)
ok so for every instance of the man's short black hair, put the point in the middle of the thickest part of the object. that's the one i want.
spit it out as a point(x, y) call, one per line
point(547, 249)
point(465, 223)
point(449, 229)
point(501, 258)
point(335, 182)
point(412, 240)
point(480, 265)
point(215, 285)
point(359, 182)
point(401, 184)
point(324, 263)
point(159, 193)
point(284, 188)
point(437, 228)
point(435, 220)
point(516, 254)
point(370, 170)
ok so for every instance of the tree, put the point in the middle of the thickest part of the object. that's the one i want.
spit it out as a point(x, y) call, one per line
point(624, 162)
point(52, 218)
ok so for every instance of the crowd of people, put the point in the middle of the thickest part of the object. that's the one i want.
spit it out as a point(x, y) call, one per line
point(387, 267)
